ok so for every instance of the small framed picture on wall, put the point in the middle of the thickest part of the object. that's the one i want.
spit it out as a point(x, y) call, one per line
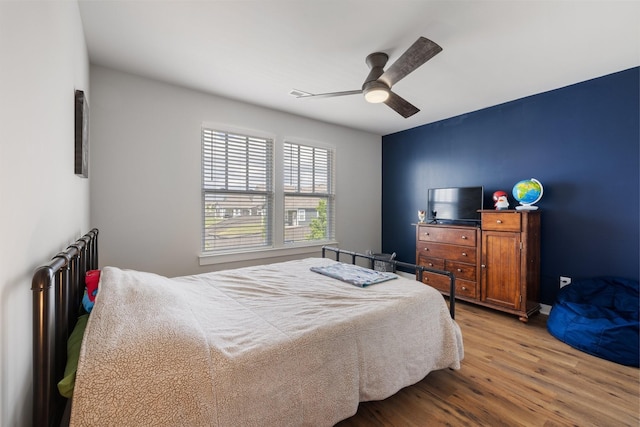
point(81, 163)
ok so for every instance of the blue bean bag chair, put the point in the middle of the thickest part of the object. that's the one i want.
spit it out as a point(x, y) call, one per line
point(599, 316)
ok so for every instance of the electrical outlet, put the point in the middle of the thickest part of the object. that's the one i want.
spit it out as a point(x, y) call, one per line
point(564, 281)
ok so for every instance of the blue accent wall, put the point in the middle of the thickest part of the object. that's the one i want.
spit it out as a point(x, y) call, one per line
point(581, 141)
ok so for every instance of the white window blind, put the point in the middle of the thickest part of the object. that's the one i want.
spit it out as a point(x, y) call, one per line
point(308, 193)
point(237, 191)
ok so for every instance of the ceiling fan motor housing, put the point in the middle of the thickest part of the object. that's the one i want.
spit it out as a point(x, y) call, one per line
point(376, 62)
point(375, 91)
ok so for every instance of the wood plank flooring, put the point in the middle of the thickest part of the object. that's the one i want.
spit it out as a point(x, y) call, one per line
point(513, 374)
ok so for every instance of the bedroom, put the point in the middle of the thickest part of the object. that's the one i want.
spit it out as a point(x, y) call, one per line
point(46, 46)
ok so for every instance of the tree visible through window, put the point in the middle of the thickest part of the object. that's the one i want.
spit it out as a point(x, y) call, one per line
point(318, 225)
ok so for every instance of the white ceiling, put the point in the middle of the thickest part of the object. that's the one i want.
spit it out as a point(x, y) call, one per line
point(258, 51)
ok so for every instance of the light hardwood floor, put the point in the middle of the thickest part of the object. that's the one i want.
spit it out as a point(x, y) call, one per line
point(513, 374)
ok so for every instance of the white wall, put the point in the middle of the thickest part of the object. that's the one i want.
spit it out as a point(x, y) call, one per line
point(145, 166)
point(43, 205)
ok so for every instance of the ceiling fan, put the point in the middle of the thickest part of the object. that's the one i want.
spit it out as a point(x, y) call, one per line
point(377, 86)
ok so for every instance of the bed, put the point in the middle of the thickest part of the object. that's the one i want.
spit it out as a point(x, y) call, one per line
point(277, 344)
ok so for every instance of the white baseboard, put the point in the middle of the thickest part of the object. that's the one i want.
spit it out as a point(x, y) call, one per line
point(545, 309)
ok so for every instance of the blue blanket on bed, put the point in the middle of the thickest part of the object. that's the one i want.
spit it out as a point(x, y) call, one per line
point(354, 274)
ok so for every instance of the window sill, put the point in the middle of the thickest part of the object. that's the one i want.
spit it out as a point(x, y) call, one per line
point(261, 254)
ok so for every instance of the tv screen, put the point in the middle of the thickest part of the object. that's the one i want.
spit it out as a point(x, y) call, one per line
point(455, 204)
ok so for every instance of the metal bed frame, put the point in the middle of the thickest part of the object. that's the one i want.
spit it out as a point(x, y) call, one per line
point(57, 289)
point(419, 269)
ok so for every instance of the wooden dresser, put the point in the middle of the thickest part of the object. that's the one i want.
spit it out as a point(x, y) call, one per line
point(450, 248)
point(496, 265)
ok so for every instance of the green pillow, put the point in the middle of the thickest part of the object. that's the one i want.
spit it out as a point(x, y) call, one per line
point(66, 385)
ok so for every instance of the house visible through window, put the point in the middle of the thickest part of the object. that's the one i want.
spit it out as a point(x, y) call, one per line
point(237, 191)
point(308, 193)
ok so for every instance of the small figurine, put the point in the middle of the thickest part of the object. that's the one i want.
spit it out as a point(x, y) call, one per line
point(501, 200)
point(421, 216)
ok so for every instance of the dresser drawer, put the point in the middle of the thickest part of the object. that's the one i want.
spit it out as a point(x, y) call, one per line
point(438, 281)
point(464, 288)
point(501, 221)
point(461, 270)
point(455, 236)
point(435, 263)
point(449, 252)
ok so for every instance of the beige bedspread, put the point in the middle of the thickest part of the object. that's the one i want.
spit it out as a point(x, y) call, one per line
point(275, 345)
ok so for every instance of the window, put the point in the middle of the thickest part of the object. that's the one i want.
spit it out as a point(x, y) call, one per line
point(249, 206)
point(308, 193)
point(237, 191)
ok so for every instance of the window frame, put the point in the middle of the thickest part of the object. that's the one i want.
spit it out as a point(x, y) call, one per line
point(242, 188)
point(278, 248)
point(312, 182)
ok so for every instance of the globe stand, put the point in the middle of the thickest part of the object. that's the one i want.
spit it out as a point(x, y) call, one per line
point(526, 208)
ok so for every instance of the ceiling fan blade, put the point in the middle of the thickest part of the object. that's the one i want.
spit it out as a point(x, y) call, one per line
point(419, 53)
point(400, 105)
point(301, 94)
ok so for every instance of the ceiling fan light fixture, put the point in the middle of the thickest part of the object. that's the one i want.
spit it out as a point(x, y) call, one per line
point(376, 96)
point(376, 93)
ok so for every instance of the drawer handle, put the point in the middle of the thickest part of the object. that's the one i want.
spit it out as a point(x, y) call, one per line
point(459, 270)
point(499, 221)
point(430, 264)
point(464, 237)
point(464, 254)
point(483, 265)
point(426, 249)
point(464, 288)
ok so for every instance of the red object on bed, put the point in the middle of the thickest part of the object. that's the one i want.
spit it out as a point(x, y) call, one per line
point(91, 282)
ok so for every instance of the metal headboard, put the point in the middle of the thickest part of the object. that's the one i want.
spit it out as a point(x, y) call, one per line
point(57, 293)
point(419, 269)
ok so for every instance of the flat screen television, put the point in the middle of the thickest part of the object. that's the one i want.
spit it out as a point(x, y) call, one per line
point(455, 204)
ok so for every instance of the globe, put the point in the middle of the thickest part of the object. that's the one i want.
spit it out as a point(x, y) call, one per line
point(527, 192)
